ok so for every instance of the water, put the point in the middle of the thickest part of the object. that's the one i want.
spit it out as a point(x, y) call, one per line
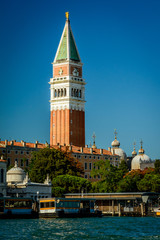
point(111, 228)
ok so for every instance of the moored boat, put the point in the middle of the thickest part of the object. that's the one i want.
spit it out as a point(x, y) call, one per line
point(67, 207)
point(16, 208)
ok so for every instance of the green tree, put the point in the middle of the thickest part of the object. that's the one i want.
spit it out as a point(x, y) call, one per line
point(129, 181)
point(123, 168)
point(53, 162)
point(150, 183)
point(110, 176)
point(70, 184)
point(157, 166)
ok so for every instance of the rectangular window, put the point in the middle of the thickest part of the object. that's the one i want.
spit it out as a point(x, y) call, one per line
point(90, 166)
point(9, 151)
point(21, 162)
point(90, 157)
point(85, 166)
point(21, 152)
point(27, 152)
point(16, 152)
point(85, 156)
point(85, 176)
point(8, 161)
point(27, 162)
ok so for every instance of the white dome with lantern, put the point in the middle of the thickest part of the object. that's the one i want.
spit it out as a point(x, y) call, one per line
point(116, 149)
point(139, 159)
point(15, 175)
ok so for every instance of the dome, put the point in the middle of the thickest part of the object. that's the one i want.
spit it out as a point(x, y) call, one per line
point(115, 143)
point(120, 152)
point(134, 153)
point(140, 158)
point(116, 149)
point(15, 175)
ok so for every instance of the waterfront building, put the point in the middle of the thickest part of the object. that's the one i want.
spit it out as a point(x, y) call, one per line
point(67, 93)
point(19, 185)
point(123, 204)
point(3, 185)
point(141, 161)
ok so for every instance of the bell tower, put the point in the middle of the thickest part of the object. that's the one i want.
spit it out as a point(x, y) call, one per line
point(67, 93)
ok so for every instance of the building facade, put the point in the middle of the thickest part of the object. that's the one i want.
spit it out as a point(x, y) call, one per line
point(21, 152)
point(67, 93)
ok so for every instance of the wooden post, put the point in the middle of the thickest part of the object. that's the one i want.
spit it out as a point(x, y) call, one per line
point(119, 209)
point(112, 207)
point(142, 210)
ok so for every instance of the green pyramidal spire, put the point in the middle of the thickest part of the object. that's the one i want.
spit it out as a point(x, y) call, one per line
point(67, 49)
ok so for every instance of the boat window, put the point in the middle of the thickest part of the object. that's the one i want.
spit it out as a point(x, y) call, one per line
point(42, 205)
point(52, 204)
point(47, 204)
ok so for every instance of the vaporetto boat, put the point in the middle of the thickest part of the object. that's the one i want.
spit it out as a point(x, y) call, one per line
point(67, 207)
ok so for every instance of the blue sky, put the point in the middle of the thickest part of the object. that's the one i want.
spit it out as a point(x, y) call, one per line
point(119, 44)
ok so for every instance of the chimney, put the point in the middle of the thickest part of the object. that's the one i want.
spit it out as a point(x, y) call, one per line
point(12, 142)
point(81, 149)
point(86, 146)
point(6, 142)
point(23, 143)
point(101, 151)
point(36, 144)
point(91, 150)
point(109, 149)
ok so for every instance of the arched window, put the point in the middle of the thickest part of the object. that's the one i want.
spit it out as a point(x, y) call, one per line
point(55, 93)
point(72, 92)
point(77, 93)
point(58, 93)
point(61, 92)
point(80, 93)
point(65, 92)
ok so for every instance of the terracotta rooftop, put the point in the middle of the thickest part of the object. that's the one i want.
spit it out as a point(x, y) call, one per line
point(74, 149)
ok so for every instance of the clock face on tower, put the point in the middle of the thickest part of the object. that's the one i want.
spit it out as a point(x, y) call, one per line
point(75, 72)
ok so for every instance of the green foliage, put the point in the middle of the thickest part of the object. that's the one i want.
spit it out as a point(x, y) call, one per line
point(69, 184)
point(157, 166)
point(150, 183)
point(110, 176)
point(53, 162)
point(138, 180)
point(58, 191)
point(115, 179)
